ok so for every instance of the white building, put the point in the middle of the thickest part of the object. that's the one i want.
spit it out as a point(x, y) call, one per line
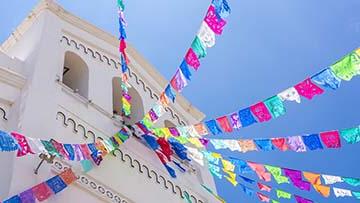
point(59, 78)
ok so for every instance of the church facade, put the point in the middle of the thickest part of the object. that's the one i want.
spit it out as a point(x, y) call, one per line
point(60, 78)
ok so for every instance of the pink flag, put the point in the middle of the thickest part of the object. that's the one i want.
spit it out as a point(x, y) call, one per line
point(260, 171)
point(261, 112)
point(225, 124)
point(263, 197)
point(23, 143)
point(192, 59)
point(41, 191)
point(216, 24)
point(308, 89)
point(263, 187)
point(280, 143)
point(178, 82)
point(331, 139)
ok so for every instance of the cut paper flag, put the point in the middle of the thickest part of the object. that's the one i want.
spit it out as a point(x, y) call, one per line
point(260, 171)
point(296, 179)
point(352, 181)
point(216, 25)
point(323, 190)
point(283, 194)
point(206, 35)
point(262, 197)
point(329, 179)
point(261, 112)
point(235, 121)
point(222, 8)
point(185, 70)
point(213, 127)
point(308, 89)
point(312, 141)
point(192, 59)
point(178, 82)
point(351, 135)
point(225, 124)
point(280, 143)
point(290, 94)
point(198, 47)
point(347, 67)
point(327, 78)
point(296, 144)
point(263, 187)
point(248, 191)
point(24, 147)
point(264, 144)
point(275, 106)
point(302, 200)
point(247, 145)
point(342, 192)
point(246, 118)
point(277, 174)
point(331, 139)
point(7, 143)
point(313, 178)
point(248, 180)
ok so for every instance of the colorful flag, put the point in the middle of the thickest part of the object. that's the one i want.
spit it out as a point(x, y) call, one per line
point(260, 171)
point(327, 78)
point(213, 127)
point(351, 135)
point(308, 89)
point(247, 145)
point(261, 112)
point(302, 200)
point(206, 35)
point(217, 25)
point(198, 47)
point(347, 67)
point(262, 197)
point(283, 194)
point(275, 106)
point(185, 70)
point(41, 191)
point(246, 118)
point(312, 141)
point(290, 94)
point(331, 139)
point(264, 144)
point(192, 59)
point(24, 147)
point(178, 82)
point(276, 172)
point(280, 143)
point(224, 124)
point(264, 187)
point(296, 144)
point(7, 143)
point(235, 120)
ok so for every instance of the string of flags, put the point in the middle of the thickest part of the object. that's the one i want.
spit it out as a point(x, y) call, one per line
point(302, 180)
point(46, 189)
point(300, 143)
point(73, 152)
point(125, 97)
point(273, 107)
point(212, 25)
point(280, 194)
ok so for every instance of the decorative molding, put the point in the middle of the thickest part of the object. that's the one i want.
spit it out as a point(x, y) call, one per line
point(133, 163)
point(11, 78)
point(153, 175)
point(3, 115)
point(116, 65)
point(76, 127)
point(92, 185)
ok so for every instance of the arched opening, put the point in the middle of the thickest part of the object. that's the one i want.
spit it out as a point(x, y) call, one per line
point(76, 74)
point(169, 124)
point(117, 95)
point(137, 107)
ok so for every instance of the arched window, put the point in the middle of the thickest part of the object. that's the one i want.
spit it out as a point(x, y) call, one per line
point(137, 107)
point(117, 103)
point(169, 124)
point(76, 74)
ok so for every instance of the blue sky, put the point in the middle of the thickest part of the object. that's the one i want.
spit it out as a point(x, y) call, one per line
point(266, 47)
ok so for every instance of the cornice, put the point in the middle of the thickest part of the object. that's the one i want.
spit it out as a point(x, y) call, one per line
point(11, 78)
point(110, 39)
